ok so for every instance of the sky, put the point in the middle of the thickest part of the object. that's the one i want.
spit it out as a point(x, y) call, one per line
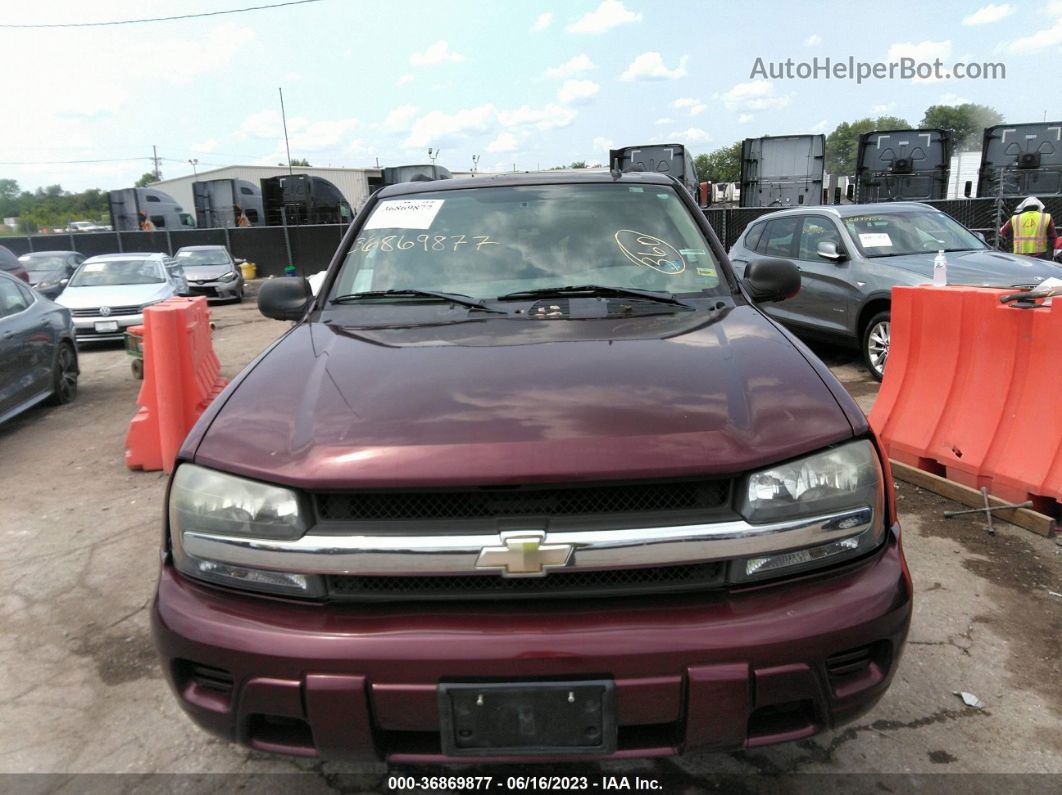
point(522, 84)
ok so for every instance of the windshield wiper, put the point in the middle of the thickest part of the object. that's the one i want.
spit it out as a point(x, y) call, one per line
point(454, 298)
point(596, 290)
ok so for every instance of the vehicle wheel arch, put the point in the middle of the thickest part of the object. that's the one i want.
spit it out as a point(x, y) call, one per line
point(878, 302)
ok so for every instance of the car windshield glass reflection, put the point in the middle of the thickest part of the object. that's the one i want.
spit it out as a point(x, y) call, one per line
point(489, 242)
point(896, 233)
point(43, 263)
point(202, 259)
point(127, 271)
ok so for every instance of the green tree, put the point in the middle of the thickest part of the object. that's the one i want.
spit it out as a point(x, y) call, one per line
point(300, 161)
point(842, 145)
point(721, 165)
point(146, 179)
point(965, 122)
point(578, 164)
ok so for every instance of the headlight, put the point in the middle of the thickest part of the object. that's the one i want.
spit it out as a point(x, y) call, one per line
point(44, 284)
point(151, 303)
point(844, 485)
point(228, 277)
point(203, 501)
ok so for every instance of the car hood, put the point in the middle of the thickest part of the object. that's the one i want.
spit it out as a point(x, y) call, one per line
point(205, 272)
point(113, 295)
point(45, 276)
point(993, 268)
point(503, 400)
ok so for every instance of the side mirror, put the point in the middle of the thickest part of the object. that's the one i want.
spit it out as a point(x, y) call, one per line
point(981, 236)
point(286, 298)
point(827, 249)
point(772, 280)
point(64, 282)
point(240, 260)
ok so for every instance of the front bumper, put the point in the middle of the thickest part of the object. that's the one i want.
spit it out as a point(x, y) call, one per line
point(216, 289)
point(720, 670)
point(85, 327)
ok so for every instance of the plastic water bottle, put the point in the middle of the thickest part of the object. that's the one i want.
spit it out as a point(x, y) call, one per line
point(940, 269)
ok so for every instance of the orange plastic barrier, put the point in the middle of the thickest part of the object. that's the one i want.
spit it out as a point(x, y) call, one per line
point(971, 391)
point(180, 379)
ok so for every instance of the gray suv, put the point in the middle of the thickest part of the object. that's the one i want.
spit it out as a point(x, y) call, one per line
point(851, 256)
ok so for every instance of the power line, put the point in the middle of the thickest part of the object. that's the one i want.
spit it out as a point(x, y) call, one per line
point(159, 19)
point(68, 162)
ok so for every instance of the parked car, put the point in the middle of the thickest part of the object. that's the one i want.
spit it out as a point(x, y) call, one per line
point(108, 293)
point(851, 256)
point(9, 264)
point(531, 475)
point(38, 353)
point(49, 271)
point(211, 271)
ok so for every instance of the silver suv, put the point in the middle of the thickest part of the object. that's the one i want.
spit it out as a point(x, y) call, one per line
point(851, 256)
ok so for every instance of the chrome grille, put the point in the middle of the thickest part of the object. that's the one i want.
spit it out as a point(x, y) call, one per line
point(116, 311)
point(488, 502)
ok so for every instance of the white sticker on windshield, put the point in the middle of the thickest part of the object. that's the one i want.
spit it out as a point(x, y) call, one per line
point(875, 239)
point(404, 214)
point(92, 267)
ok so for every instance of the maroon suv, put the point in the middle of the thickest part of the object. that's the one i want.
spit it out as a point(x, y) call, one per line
point(531, 477)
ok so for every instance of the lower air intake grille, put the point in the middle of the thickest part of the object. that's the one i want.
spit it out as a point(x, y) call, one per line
point(616, 582)
point(849, 662)
point(487, 502)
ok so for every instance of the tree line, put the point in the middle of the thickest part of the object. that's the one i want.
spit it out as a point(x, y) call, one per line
point(50, 206)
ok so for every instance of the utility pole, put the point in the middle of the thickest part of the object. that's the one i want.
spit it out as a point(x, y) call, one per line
point(432, 157)
point(475, 164)
point(155, 158)
point(284, 119)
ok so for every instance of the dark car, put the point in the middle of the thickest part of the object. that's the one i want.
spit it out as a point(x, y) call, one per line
point(851, 256)
point(49, 271)
point(532, 476)
point(38, 354)
point(211, 271)
point(9, 264)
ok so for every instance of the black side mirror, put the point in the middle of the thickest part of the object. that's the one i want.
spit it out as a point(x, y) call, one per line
point(772, 280)
point(286, 298)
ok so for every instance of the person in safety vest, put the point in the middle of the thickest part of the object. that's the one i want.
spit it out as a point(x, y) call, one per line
point(1031, 230)
point(241, 216)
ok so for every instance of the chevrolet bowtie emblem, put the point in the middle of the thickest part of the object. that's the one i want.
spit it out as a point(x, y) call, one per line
point(523, 554)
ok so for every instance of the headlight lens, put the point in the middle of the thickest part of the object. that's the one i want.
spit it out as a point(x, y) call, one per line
point(845, 481)
point(217, 504)
point(228, 277)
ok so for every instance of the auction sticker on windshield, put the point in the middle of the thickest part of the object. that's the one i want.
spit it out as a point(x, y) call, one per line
point(405, 214)
point(875, 239)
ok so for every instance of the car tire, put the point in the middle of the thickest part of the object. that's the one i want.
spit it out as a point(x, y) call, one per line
point(876, 344)
point(64, 375)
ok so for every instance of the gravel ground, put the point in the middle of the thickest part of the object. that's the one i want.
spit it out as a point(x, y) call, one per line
point(81, 690)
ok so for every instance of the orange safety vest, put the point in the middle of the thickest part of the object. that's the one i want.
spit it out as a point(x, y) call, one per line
point(1029, 230)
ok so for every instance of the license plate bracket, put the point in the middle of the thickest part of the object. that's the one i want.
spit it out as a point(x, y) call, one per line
point(106, 326)
point(525, 718)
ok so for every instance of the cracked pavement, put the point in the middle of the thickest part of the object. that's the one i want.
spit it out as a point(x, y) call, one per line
point(81, 690)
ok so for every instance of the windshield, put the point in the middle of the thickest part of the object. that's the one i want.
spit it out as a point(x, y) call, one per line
point(118, 271)
point(894, 233)
point(43, 263)
point(199, 259)
point(487, 242)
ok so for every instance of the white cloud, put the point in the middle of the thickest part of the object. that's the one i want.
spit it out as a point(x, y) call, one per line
point(406, 78)
point(952, 99)
point(542, 22)
point(263, 124)
point(580, 63)
point(437, 127)
point(754, 95)
point(745, 118)
point(205, 147)
point(693, 135)
point(606, 16)
point(664, 120)
point(1042, 39)
point(650, 66)
point(920, 51)
point(603, 144)
point(437, 53)
point(577, 92)
point(400, 117)
point(506, 142)
point(883, 108)
point(547, 118)
point(822, 126)
point(814, 40)
point(694, 106)
point(326, 133)
point(989, 14)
